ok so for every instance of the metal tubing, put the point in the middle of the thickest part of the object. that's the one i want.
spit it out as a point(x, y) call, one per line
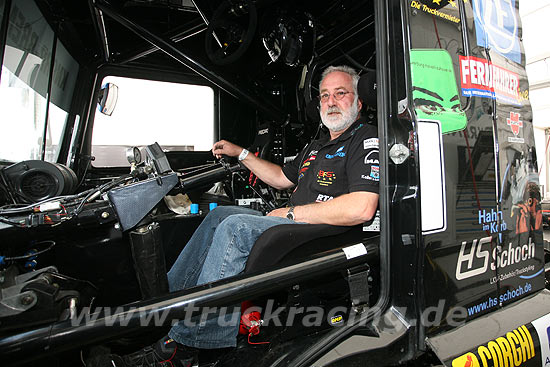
point(213, 174)
point(345, 36)
point(147, 51)
point(170, 49)
point(49, 96)
point(71, 334)
point(100, 30)
point(206, 21)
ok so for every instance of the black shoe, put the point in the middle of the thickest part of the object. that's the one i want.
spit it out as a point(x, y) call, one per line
point(164, 353)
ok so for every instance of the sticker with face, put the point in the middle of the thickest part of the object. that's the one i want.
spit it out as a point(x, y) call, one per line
point(434, 89)
point(432, 103)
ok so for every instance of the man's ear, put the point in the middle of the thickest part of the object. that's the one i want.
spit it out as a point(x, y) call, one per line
point(359, 105)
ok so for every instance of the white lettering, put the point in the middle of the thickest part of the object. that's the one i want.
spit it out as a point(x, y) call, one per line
point(513, 255)
point(476, 250)
point(501, 14)
point(481, 73)
point(465, 70)
point(322, 198)
point(473, 70)
point(477, 72)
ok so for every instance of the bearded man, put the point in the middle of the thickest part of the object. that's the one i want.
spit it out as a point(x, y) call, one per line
point(335, 182)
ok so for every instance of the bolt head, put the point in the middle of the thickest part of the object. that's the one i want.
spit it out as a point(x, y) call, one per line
point(26, 299)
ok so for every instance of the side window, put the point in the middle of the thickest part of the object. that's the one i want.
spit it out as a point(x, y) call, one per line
point(64, 77)
point(463, 110)
point(489, 181)
point(24, 91)
point(180, 117)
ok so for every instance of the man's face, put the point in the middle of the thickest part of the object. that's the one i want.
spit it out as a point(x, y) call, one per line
point(338, 115)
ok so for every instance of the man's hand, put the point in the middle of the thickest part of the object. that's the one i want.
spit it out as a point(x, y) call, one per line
point(281, 212)
point(224, 147)
point(266, 171)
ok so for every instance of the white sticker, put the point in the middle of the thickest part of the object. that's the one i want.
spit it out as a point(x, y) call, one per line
point(355, 250)
point(515, 140)
point(52, 205)
point(371, 143)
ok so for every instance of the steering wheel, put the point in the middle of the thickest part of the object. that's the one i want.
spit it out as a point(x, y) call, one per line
point(231, 31)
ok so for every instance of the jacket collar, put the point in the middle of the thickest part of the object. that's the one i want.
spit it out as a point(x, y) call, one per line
point(350, 131)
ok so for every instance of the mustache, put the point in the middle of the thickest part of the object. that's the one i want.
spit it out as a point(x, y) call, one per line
point(333, 109)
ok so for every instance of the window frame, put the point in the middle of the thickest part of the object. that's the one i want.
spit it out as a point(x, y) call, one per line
point(145, 74)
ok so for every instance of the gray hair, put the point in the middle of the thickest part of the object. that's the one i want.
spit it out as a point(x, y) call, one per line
point(343, 69)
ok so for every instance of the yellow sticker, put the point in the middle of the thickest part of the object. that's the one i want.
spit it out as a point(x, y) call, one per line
point(513, 349)
point(425, 8)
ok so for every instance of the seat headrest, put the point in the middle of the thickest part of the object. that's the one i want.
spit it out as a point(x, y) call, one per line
point(366, 88)
point(312, 111)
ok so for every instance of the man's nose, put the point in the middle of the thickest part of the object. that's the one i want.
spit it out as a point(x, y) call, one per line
point(331, 100)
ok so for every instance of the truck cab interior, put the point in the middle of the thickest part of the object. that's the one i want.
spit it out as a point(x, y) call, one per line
point(114, 106)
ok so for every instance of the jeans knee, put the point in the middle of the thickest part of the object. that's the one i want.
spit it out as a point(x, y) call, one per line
point(242, 229)
point(219, 212)
point(223, 212)
point(235, 221)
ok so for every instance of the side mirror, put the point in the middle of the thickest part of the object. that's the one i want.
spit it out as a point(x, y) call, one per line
point(107, 98)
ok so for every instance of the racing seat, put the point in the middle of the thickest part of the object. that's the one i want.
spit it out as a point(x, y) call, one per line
point(288, 242)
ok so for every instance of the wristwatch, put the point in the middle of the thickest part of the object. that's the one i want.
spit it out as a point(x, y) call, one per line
point(290, 213)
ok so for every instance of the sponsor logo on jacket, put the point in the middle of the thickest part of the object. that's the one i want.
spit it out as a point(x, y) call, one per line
point(371, 143)
point(339, 153)
point(325, 178)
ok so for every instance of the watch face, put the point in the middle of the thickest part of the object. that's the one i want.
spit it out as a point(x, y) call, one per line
point(290, 214)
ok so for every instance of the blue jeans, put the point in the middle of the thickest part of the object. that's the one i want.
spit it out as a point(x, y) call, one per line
point(218, 249)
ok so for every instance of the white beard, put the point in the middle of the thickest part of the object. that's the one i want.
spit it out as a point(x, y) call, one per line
point(341, 121)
